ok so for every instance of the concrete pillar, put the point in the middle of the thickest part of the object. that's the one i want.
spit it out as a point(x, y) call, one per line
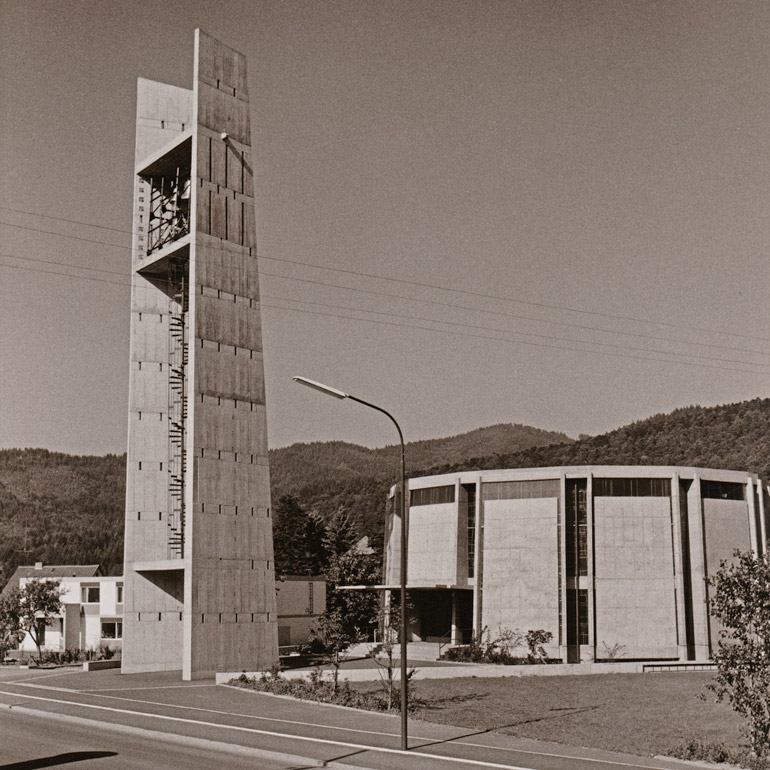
point(700, 614)
point(762, 519)
point(589, 582)
point(751, 500)
point(679, 589)
point(478, 564)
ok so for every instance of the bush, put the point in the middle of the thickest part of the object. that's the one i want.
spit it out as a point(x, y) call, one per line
point(697, 750)
point(62, 657)
point(500, 650)
point(315, 688)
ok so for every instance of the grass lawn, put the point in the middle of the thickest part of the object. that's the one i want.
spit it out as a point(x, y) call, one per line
point(635, 713)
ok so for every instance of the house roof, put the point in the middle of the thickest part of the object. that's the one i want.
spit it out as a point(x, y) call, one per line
point(50, 571)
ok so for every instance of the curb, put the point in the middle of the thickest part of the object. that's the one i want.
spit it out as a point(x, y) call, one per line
point(202, 743)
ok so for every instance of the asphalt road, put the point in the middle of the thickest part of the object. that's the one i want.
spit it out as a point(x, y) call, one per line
point(29, 742)
point(213, 721)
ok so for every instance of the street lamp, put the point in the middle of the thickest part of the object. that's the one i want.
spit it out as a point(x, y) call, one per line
point(404, 683)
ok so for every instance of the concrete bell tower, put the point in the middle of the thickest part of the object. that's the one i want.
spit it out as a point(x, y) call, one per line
point(199, 572)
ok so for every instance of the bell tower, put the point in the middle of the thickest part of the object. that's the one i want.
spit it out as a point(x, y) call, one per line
point(199, 572)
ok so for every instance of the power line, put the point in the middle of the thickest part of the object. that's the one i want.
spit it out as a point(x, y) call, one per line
point(67, 275)
point(526, 334)
point(64, 219)
point(64, 235)
point(429, 286)
point(519, 342)
point(66, 264)
point(513, 315)
point(455, 333)
point(511, 299)
point(434, 302)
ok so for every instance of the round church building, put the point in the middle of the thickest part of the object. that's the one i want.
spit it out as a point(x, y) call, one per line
point(612, 560)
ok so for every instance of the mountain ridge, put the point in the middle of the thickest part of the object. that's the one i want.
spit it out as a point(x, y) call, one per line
point(60, 508)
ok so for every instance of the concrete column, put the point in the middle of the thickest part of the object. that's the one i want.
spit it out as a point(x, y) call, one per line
point(700, 615)
point(762, 519)
point(681, 618)
point(562, 571)
point(590, 580)
point(750, 499)
point(478, 563)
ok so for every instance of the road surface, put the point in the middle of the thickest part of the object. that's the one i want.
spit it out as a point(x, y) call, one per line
point(160, 709)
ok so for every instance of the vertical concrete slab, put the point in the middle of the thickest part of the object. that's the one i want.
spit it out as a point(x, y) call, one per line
point(679, 584)
point(588, 652)
point(751, 500)
point(701, 624)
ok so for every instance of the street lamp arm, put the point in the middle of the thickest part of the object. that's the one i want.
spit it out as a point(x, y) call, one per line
point(384, 411)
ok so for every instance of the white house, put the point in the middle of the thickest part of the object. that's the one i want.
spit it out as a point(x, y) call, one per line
point(92, 611)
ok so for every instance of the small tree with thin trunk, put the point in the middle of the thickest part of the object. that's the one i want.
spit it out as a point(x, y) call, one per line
point(741, 603)
point(37, 603)
point(10, 627)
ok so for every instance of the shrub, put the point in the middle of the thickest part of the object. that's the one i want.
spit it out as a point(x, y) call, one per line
point(741, 602)
point(500, 650)
point(700, 751)
point(315, 688)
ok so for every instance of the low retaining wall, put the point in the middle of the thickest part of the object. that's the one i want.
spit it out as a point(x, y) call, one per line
point(452, 671)
point(98, 665)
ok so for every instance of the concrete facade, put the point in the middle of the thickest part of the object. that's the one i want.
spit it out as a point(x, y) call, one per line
point(301, 600)
point(612, 560)
point(200, 593)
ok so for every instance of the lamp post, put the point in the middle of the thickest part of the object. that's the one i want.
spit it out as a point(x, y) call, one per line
point(404, 683)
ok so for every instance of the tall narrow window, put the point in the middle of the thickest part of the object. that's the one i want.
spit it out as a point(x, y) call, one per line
point(470, 490)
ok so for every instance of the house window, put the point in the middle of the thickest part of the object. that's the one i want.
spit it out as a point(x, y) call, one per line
point(112, 629)
point(90, 595)
point(120, 593)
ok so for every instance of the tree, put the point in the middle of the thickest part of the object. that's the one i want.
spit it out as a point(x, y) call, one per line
point(741, 604)
point(296, 539)
point(10, 627)
point(33, 607)
point(347, 565)
point(330, 639)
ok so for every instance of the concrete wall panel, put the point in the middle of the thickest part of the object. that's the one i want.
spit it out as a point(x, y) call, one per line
point(634, 576)
point(521, 565)
point(432, 559)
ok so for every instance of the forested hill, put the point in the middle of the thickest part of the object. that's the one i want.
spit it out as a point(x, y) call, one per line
point(60, 508)
point(733, 437)
point(308, 465)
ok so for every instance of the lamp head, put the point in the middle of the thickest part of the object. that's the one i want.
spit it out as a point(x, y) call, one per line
point(321, 387)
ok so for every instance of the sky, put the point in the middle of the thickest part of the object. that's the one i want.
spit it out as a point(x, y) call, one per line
point(469, 213)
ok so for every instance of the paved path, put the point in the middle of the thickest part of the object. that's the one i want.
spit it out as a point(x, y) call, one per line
point(273, 728)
